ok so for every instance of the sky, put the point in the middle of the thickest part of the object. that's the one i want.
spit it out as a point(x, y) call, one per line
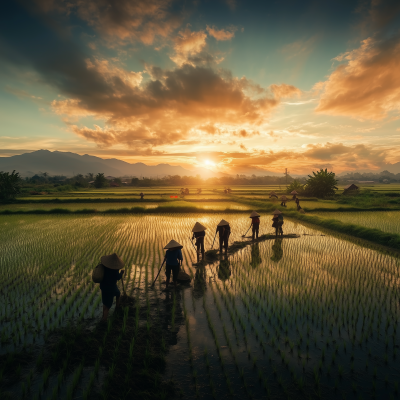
point(240, 87)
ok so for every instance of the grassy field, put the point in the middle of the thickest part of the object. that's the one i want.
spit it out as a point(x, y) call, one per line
point(220, 205)
point(309, 317)
point(387, 221)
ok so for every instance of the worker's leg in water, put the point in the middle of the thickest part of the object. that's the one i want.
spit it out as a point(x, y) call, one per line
point(226, 244)
point(257, 229)
point(221, 240)
point(168, 269)
point(198, 250)
point(276, 231)
point(106, 310)
point(175, 272)
point(107, 298)
point(253, 232)
point(202, 247)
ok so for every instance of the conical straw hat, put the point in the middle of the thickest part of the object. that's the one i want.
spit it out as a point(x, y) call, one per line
point(173, 244)
point(254, 214)
point(198, 227)
point(112, 261)
point(223, 223)
point(283, 198)
point(276, 212)
point(293, 192)
point(272, 193)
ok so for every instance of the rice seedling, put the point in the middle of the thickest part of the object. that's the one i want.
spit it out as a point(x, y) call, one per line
point(325, 295)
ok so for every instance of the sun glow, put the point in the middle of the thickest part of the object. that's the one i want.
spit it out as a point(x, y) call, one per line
point(209, 163)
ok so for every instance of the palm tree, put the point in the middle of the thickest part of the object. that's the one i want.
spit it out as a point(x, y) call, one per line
point(10, 185)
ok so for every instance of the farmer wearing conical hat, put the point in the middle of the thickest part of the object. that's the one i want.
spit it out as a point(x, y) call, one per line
point(199, 233)
point(141, 195)
point(255, 224)
point(277, 222)
point(294, 193)
point(112, 264)
point(283, 201)
point(224, 230)
point(273, 194)
point(297, 201)
point(173, 259)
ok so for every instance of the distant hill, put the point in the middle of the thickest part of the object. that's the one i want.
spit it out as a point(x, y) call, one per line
point(69, 164)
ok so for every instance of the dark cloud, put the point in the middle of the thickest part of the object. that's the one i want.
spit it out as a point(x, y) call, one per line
point(121, 20)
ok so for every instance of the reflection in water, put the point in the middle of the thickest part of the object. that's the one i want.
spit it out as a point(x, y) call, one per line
point(172, 307)
point(224, 270)
point(277, 250)
point(199, 283)
point(255, 255)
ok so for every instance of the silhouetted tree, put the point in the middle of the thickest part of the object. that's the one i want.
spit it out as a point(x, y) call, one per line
point(10, 185)
point(321, 184)
point(100, 181)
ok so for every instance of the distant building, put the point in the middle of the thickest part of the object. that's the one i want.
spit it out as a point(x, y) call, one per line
point(113, 184)
point(350, 188)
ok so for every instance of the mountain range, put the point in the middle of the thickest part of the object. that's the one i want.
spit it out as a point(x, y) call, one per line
point(70, 164)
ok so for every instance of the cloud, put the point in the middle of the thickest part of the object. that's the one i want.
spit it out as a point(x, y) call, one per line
point(231, 4)
point(187, 44)
point(379, 14)
point(285, 90)
point(221, 34)
point(122, 20)
point(367, 85)
point(166, 108)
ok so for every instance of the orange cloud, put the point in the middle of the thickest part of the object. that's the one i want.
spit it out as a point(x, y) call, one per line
point(188, 44)
point(221, 34)
point(168, 107)
point(285, 90)
point(124, 20)
point(367, 85)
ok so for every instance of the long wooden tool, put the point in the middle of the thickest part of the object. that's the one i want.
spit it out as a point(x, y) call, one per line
point(246, 232)
point(158, 273)
point(214, 240)
point(191, 241)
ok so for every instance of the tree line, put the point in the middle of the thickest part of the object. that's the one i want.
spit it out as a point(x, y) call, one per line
point(321, 184)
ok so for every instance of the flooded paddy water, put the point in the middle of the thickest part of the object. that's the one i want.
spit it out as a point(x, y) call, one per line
point(309, 317)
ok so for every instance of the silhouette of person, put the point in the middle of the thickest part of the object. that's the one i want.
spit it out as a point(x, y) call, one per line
point(255, 255)
point(277, 252)
point(224, 270)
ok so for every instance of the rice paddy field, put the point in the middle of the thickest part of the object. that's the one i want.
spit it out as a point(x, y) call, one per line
point(219, 205)
point(386, 221)
point(313, 315)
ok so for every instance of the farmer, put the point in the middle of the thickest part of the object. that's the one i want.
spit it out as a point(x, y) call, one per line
point(283, 201)
point(273, 194)
point(173, 259)
point(255, 224)
point(224, 230)
point(112, 264)
point(294, 193)
point(199, 232)
point(277, 222)
point(297, 201)
point(141, 195)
